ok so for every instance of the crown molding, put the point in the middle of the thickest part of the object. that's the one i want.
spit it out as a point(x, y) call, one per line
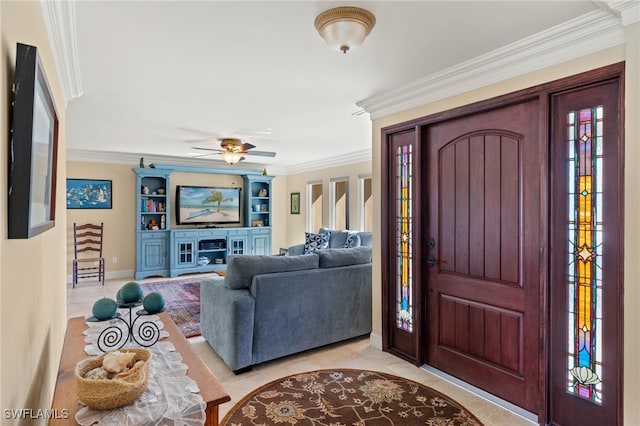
point(629, 10)
point(133, 159)
point(324, 163)
point(589, 33)
point(60, 20)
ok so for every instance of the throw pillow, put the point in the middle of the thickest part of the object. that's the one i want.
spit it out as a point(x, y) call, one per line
point(338, 239)
point(313, 242)
point(353, 241)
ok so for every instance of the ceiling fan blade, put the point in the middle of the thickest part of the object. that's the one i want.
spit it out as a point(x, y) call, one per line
point(261, 153)
point(206, 154)
point(245, 146)
point(207, 149)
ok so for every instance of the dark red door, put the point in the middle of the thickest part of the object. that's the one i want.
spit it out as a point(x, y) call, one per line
point(484, 257)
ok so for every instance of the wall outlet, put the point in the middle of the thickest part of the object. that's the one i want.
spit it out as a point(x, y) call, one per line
point(114, 260)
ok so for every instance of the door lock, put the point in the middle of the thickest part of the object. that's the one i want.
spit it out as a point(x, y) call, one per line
point(431, 261)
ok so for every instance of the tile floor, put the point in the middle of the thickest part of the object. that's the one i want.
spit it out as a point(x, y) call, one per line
point(355, 353)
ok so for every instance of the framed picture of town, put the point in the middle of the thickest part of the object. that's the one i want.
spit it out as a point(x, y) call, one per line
point(89, 194)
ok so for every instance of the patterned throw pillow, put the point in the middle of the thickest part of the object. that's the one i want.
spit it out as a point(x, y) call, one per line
point(313, 242)
point(353, 241)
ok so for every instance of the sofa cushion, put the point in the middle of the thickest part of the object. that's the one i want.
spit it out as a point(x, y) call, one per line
point(353, 240)
point(338, 239)
point(241, 268)
point(366, 239)
point(334, 257)
point(313, 242)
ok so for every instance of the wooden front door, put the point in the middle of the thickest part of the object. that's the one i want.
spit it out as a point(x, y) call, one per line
point(483, 246)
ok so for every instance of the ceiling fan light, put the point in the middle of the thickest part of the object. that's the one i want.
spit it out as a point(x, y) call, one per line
point(345, 28)
point(231, 157)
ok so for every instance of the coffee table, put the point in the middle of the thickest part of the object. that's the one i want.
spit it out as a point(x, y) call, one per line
point(64, 397)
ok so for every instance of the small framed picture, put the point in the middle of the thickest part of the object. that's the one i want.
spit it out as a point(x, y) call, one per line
point(88, 194)
point(295, 203)
point(257, 222)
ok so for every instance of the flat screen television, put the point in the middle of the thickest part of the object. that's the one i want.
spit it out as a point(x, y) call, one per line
point(207, 205)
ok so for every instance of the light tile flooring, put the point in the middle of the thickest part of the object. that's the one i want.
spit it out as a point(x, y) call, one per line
point(355, 353)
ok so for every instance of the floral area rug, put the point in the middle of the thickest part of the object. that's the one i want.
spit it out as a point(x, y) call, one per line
point(182, 302)
point(347, 397)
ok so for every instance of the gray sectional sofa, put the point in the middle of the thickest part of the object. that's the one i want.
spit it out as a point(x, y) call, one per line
point(268, 307)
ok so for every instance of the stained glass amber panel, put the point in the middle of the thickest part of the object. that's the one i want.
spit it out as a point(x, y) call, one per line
point(584, 266)
point(404, 238)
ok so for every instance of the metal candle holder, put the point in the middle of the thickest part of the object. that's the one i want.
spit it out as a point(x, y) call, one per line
point(115, 337)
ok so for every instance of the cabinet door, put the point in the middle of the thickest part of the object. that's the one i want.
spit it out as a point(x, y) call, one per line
point(185, 251)
point(238, 244)
point(261, 243)
point(154, 254)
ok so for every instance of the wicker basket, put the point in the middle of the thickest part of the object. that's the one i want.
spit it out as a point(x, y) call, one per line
point(104, 394)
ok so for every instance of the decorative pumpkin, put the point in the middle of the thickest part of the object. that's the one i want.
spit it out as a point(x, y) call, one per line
point(153, 302)
point(104, 309)
point(131, 292)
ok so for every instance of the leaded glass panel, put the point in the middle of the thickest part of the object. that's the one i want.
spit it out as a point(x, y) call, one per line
point(404, 238)
point(584, 269)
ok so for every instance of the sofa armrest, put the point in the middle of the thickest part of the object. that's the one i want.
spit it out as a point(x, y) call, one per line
point(226, 321)
point(296, 250)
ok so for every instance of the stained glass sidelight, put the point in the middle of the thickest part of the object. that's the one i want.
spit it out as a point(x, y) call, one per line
point(404, 237)
point(585, 136)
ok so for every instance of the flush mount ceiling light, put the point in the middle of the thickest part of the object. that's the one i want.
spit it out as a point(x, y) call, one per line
point(345, 28)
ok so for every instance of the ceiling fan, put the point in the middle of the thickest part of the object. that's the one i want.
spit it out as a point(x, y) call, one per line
point(233, 150)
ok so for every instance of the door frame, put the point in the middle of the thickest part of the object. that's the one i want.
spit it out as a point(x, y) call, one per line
point(419, 125)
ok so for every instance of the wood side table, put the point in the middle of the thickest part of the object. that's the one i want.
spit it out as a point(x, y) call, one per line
point(64, 396)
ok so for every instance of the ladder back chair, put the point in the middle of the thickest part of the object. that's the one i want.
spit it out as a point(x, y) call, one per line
point(88, 261)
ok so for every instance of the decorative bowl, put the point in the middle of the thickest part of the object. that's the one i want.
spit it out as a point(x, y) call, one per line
point(203, 261)
point(106, 394)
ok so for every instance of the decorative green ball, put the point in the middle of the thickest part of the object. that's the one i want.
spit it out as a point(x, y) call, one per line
point(119, 296)
point(104, 309)
point(153, 302)
point(131, 292)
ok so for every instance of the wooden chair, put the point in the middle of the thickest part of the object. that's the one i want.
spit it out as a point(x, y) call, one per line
point(88, 261)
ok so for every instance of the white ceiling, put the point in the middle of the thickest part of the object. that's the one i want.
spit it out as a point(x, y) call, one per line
point(160, 77)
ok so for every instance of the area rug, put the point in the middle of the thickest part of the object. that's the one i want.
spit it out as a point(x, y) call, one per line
point(348, 397)
point(182, 302)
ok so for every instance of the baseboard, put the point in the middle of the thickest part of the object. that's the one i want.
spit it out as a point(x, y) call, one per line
point(126, 273)
point(375, 340)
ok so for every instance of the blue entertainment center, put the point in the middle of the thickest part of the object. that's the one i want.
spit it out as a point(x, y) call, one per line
point(162, 251)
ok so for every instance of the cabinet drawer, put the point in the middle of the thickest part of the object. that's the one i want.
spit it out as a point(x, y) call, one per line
point(212, 234)
point(178, 234)
point(260, 230)
point(153, 235)
point(239, 232)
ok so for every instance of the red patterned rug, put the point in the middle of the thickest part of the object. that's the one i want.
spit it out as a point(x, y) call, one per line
point(348, 397)
point(182, 302)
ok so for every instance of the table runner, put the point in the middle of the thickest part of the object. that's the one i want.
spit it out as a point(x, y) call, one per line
point(171, 398)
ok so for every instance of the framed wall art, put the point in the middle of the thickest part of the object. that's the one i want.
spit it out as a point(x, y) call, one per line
point(89, 194)
point(33, 161)
point(295, 203)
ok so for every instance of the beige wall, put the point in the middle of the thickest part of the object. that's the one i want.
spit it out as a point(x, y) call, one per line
point(297, 223)
point(120, 220)
point(630, 53)
point(32, 275)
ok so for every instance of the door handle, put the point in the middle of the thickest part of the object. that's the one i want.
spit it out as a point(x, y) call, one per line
point(431, 261)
